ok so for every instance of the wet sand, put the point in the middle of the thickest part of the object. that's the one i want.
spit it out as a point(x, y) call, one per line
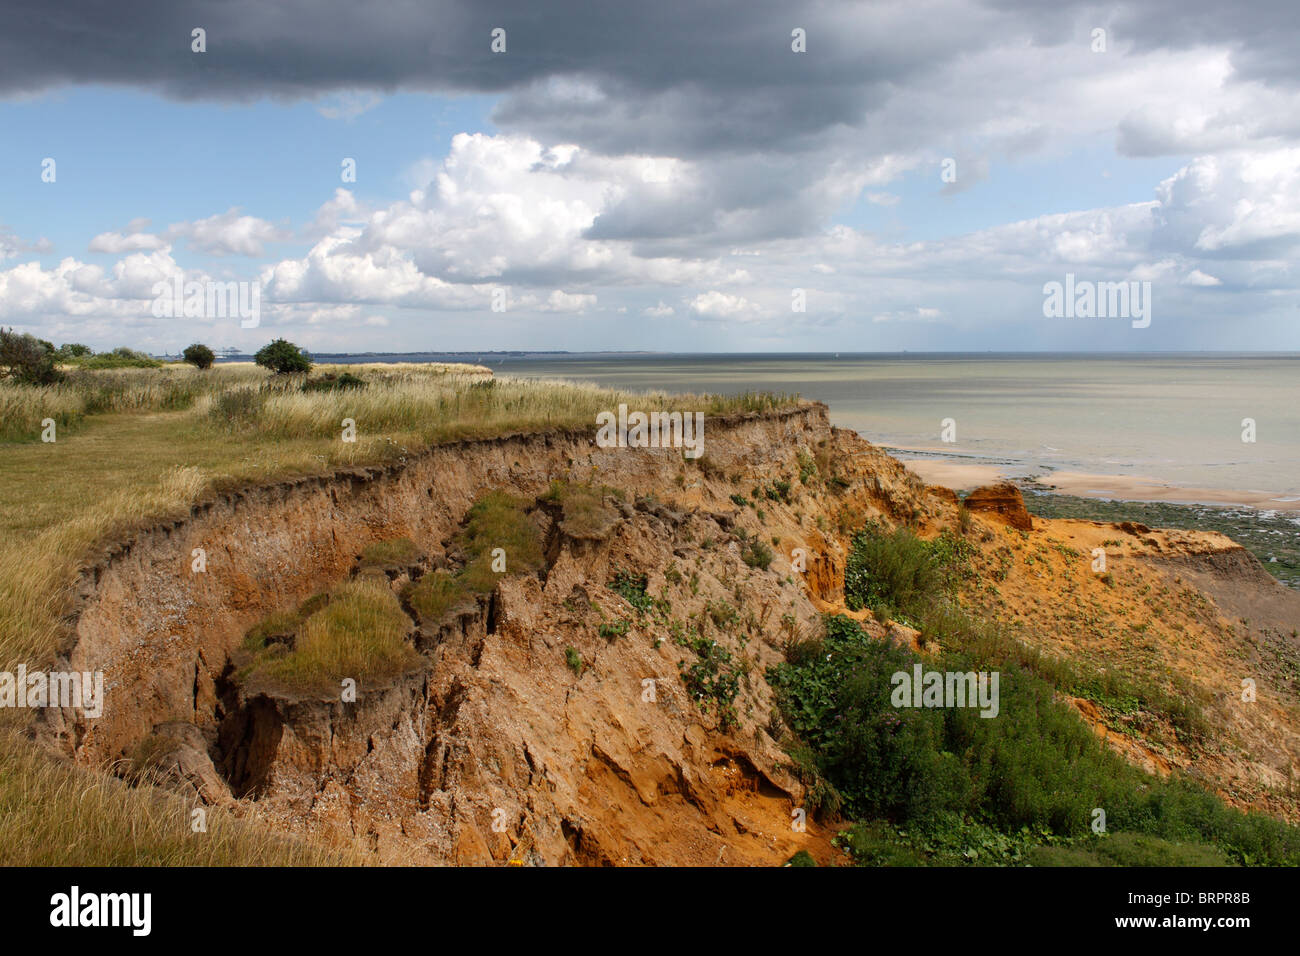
point(963, 476)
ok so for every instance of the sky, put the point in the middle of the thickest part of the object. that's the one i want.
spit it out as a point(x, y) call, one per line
point(677, 176)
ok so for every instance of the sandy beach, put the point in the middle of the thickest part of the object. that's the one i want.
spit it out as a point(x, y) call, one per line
point(963, 476)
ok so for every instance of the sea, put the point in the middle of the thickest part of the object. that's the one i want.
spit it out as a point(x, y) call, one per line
point(1200, 420)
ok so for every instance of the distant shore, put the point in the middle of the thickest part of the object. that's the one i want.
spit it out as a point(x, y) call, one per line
point(1265, 525)
point(963, 476)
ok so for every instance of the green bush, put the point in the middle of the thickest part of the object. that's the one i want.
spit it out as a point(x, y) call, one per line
point(120, 357)
point(283, 357)
point(894, 574)
point(27, 359)
point(756, 554)
point(334, 383)
point(1036, 767)
point(199, 355)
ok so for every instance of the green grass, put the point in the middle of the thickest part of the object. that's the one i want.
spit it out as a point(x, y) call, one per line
point(360, 635)
point(1036, 768)
point(498, 520)
point(392, 554)
point(434, 596)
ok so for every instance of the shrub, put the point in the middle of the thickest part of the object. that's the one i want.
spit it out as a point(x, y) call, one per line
point(283, 357)
point(756, 554)
point(120, 357)
point(27, 359)
point(895, 574)
point(199, 355)
point(574, 660)
point(1036, 768)
point(334, 383)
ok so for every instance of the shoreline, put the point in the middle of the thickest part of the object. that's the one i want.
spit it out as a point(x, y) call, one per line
point(964, 476)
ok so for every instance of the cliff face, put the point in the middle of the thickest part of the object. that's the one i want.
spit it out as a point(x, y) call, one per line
point(494, 747)
point(551, 722)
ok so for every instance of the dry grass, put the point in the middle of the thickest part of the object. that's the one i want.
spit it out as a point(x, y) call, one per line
point(54, 814)
point(583, 505)
point(86, 392)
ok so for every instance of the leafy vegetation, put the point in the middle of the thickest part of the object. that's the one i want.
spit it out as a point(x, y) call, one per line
point(332, 382)
point(283, 357)
point(26, 359)
point(199, 355)
point(1035, 769)
point(713, 679)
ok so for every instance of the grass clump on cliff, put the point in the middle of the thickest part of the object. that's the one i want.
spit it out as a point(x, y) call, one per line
point(497, 520)
point(390, 554)
point(360, 634)
point(436, 595)
point(585, 514)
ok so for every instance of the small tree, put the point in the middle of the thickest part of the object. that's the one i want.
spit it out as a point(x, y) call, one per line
point(199, 355)
point(283, 357)
point(27, 359)
point(75, 350)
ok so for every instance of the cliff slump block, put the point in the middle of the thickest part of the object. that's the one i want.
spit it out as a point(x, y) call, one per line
point(491, 747)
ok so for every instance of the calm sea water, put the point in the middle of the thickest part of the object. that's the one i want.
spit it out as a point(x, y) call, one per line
point(1174, 417)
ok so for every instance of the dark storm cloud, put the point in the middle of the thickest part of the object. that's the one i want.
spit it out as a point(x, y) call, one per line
point(1263, 34)
point(672, 76)
point(710, 75)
